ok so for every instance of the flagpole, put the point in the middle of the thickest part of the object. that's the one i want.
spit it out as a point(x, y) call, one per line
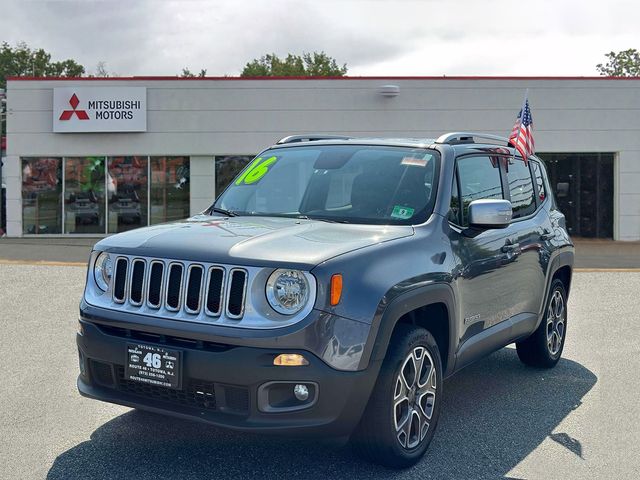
point(524, 102)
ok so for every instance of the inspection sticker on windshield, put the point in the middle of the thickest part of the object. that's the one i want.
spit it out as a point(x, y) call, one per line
point(402, 212)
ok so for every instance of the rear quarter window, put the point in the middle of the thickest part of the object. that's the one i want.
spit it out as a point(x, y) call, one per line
point(539, 179)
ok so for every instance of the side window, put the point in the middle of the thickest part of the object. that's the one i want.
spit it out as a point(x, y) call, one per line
point(537, 173)
point(520, 187)
point(479, 178)
point(454, 207)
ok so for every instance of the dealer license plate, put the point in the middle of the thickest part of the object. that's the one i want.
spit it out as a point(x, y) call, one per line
point(153, 365)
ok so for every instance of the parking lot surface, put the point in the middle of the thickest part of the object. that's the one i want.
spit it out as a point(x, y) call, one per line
point(500, 419)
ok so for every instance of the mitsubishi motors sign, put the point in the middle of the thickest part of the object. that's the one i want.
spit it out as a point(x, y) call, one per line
point(99, 109)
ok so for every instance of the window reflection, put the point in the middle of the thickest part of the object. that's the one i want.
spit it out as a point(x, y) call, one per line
point(520, 187)
point(102, 195)
point(539, 181)
point(227, 167)
point(84, 184)
point(127, 193)
point(41, 195)
point(169, 188)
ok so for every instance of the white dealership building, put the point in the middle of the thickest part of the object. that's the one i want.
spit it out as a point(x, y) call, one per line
point(99, 156)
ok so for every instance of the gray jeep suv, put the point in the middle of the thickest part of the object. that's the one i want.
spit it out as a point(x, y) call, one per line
point(331, 288)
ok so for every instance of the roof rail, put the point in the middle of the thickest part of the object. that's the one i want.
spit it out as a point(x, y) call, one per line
point(468, 137)
point(310, 138)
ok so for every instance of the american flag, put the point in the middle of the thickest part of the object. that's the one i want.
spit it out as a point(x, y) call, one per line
point(522, 134)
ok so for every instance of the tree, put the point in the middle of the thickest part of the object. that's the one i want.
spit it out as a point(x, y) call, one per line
point(186, 73)
point(621, 64)
point(308, 65)
point(20, 61)
point(101, 70)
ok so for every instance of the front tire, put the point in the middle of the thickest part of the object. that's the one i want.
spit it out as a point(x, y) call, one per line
point(544, 347)
point(401, 416)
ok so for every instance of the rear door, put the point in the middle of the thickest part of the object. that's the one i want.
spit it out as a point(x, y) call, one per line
point(528, 233)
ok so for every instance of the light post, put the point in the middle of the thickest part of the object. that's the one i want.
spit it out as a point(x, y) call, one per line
point(2, 114)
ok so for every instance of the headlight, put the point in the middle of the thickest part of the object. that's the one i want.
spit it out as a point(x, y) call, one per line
point(102, 270)
point(287, 291)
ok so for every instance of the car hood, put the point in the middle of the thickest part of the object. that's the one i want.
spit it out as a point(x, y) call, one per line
point(251, 240)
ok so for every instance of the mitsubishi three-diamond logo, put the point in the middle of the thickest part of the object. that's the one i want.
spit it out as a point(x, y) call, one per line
point(67, 114)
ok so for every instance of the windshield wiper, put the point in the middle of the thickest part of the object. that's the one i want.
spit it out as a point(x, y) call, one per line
point(228, 213)
point(323, 219)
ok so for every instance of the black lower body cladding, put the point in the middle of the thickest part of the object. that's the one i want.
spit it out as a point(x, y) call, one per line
point(221, 384)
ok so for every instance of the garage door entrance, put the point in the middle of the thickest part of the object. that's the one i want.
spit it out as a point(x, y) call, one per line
point(583, 187)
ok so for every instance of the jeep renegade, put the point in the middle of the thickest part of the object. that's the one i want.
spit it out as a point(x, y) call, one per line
point(331, 288)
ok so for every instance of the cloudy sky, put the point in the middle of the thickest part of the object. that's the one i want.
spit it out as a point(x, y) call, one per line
point(374, 37)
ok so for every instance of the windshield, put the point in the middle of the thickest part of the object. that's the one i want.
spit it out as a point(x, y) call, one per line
point(342, 183)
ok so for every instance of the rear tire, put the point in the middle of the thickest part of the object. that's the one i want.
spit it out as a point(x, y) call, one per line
point(544, 347)
point(401, 416)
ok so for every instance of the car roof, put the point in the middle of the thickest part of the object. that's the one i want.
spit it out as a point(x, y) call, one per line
point(459, 148)
point(396, 142)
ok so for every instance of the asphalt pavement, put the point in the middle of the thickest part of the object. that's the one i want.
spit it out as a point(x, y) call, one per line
point(500, 419)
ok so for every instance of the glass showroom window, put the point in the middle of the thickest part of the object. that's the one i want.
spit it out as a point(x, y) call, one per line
point(41, 195)
point(227, 167)
point(169, 194)
point(127, 192)
point(84, 200)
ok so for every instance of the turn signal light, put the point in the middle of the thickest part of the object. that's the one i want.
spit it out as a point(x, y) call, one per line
point(336, 288)
point(290, 360)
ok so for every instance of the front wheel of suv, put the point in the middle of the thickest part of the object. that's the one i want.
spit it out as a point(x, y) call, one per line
point(544, 347)
point(402, 413)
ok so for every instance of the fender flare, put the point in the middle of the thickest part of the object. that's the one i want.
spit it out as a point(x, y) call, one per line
point(562, 259)
point(390, 311)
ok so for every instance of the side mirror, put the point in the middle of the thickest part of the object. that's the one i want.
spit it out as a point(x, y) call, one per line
point(489, 213)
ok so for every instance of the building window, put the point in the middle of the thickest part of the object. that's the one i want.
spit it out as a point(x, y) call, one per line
point(169, 192)
point(227, 167)
point(127, 192)
point(84, 186)
point(98, 195)
point(41, 195)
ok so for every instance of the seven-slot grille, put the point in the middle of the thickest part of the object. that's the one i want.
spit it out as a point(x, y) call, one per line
point(180, 287)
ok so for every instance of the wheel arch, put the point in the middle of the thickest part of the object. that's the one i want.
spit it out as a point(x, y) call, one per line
point(431, 307)
point(564, 274)
point(562, 268)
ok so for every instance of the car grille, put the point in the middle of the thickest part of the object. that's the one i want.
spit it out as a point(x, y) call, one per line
point(185, 287)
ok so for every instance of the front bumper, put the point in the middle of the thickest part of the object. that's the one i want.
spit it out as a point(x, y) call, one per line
point(232, 376)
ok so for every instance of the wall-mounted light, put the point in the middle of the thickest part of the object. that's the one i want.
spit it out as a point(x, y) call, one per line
point(389, 90)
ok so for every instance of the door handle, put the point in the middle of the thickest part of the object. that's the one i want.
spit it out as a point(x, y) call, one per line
point(547, 235)
point(510, 247)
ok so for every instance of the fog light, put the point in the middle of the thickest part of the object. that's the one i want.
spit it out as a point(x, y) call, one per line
point(290, 360)
point(301, 392)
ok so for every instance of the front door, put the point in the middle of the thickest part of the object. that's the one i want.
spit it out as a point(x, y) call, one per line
point(486, 258)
